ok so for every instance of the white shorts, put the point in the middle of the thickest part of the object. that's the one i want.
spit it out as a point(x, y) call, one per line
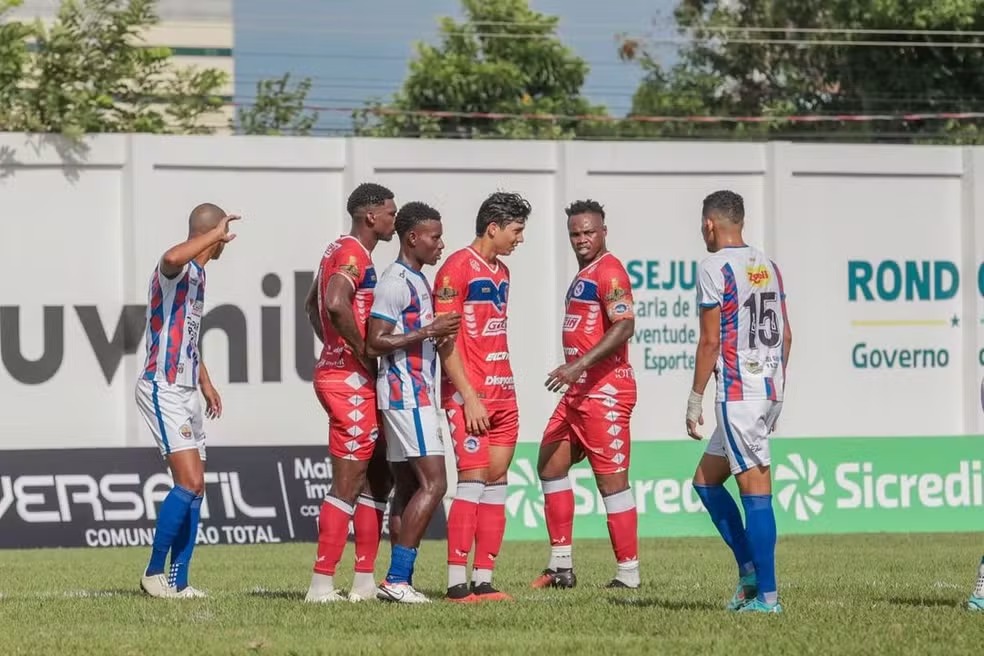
point(742, 433)
point(412, 433)
point(174, 415)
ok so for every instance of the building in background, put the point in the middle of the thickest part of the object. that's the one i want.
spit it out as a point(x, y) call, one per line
point(199, 32)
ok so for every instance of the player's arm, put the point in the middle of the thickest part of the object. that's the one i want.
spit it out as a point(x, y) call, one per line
point(177, 257)
point(450, 299)
point(213, 402)
point(380, 339)
point(339, 293)
point(311, 308)
point(709, 293)
point(617, 300)
point(390, 301)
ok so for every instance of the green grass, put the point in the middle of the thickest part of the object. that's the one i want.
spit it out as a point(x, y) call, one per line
point(875, 594)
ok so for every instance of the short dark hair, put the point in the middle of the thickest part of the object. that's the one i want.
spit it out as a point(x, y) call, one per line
point(726, 204)
point(502, 208)
point(367, 194)
point(586, 207)
point(413, 214)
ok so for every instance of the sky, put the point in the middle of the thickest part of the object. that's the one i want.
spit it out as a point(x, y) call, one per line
point(358, 50)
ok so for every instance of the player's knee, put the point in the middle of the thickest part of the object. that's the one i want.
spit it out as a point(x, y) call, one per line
point(196, 485)
point(434, 489)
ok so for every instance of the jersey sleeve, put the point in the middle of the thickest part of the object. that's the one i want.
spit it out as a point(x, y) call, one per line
point(166, 282)
point(391, 297)
point(450, 290)
point(710, 286)
point(615, 293)
point(346, 263)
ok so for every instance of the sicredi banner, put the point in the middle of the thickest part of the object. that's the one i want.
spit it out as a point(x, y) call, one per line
point(841, 485)
point(111, 497)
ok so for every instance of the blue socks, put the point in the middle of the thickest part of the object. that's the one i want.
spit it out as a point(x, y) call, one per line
point(401, 564)
point(184, 544)
point(172, 516)
point(761, 530)
point(724, 513)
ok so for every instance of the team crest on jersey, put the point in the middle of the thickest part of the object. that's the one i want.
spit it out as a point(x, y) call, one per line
point(616, 293)
point(351, 267)
point(446, 292)
point(471, 444)
point(185, 431)
point(758, 276)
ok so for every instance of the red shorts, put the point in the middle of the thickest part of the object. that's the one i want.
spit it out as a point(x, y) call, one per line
point(353, 421)
point(600, 426)
point(472, 451)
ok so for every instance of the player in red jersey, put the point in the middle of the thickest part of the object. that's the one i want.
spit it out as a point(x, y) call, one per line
point(478, 393)
point(345, 383)
point(593, 416)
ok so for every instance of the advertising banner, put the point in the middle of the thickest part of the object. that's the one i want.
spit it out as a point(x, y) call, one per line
point(110, 497)
point(822, 485)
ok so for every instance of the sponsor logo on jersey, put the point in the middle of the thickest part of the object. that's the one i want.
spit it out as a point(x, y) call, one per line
point(501, 381)
point(571, 322)
point(498, 356)
point(495, 327)
point(758, 276)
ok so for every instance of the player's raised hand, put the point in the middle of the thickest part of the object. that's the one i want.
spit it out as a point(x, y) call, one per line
point(476, 417)
point(563, 377)
point(695, 414)
point(224, 226)
point(213, 402)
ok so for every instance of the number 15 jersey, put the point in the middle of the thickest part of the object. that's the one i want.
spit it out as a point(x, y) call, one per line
point(748, 288)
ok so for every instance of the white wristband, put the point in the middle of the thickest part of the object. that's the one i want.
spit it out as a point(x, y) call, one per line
point(695, 406)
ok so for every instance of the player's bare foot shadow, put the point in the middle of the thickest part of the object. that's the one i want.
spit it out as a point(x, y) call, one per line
point(290, 595)
point(924, 602)
point(668, 604)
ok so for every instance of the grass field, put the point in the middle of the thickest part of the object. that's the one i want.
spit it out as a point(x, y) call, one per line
point(873, 594)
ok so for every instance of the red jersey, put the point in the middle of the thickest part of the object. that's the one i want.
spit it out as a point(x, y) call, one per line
point(467, 284)
point(599, 296)
point(348, 257)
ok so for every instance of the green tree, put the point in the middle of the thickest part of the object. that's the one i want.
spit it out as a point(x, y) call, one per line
point(277, 109)
point(504, 58)
point(745, 60)
point(90, 72)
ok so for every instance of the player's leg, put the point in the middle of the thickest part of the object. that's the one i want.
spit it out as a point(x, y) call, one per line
point(471, 454)
point(416, 431)
point(607, 441)
point(502, 437)
point(367, 521)
point(976, 601)
point(712, 472)
point(746, 427)
point(554, 463)
point(351, 447)
point(184, 545)
point(163, 409)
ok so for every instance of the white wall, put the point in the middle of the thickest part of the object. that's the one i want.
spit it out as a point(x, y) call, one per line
point(89, 233)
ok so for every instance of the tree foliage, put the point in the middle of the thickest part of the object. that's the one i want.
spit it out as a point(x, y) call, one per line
point(728, 69)
point(503, 58)
point(277, 109)
point(90, 72)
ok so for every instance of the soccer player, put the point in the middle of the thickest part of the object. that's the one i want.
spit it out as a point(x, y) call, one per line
point(478, 393)
point(593, 416)
point(167, 394)
point(344, 381)
point(744, 340)
point(403, 330)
